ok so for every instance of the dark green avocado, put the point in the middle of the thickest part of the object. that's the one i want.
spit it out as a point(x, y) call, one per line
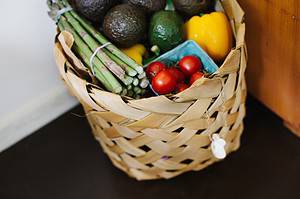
point(166, 30)
point(125, 25)
point(94, 10)
point(149, 5)
point(190, 8)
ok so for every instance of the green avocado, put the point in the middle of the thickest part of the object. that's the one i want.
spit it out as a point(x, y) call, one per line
point(93, 10)
point(125, 25)
point(149, 5)
point(166, 30)
point(190, 8)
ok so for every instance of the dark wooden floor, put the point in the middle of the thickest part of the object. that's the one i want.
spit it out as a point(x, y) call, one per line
point(62, 161)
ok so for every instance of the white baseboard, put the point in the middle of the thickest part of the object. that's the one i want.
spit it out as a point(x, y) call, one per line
point(34, 115)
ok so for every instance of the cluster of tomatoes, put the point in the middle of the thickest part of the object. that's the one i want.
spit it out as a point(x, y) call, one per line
point(165, 80)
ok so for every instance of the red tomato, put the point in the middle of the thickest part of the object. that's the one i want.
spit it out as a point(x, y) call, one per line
point(179, 76)
point(190, 65)
point(181, 87)
point(154, 68)
point(195, 77)
point(164, 82)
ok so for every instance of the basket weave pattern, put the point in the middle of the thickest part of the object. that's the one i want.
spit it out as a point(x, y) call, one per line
point(162, 137)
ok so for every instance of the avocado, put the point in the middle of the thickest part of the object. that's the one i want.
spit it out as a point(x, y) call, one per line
point(149, 5)
point(94, 10)
point(125, 25)
point(71, 2)
point(190, 8)
point(166, 30)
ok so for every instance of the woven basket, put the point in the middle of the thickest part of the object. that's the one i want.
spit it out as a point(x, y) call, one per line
point(162, 137)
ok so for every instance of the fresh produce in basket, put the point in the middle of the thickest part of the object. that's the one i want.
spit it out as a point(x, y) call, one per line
point(115, 70)
point(179, 75)
point(213, 33)
point(181, 87)
point(195, 77)
point(166, 80)
point(193, 7)
point(166, 30)
point(136, 52)
point(190, 65)
point(94, 10)
point(154, 68)
point(125, 25)
point(149, 5)
point(189, 47)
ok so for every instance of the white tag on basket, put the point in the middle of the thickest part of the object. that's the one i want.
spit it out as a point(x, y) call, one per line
point(218, 146)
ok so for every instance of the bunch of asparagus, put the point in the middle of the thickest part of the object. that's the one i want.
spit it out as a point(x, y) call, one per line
point(116, 71)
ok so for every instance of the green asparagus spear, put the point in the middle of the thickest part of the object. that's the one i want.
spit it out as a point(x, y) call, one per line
point(102, 40)
point(116, 86)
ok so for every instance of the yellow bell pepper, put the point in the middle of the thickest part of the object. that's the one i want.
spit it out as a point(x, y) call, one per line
point(136, 53)
point(212, 32)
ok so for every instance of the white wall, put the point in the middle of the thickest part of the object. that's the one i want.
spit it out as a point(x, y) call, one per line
point(32, 93)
